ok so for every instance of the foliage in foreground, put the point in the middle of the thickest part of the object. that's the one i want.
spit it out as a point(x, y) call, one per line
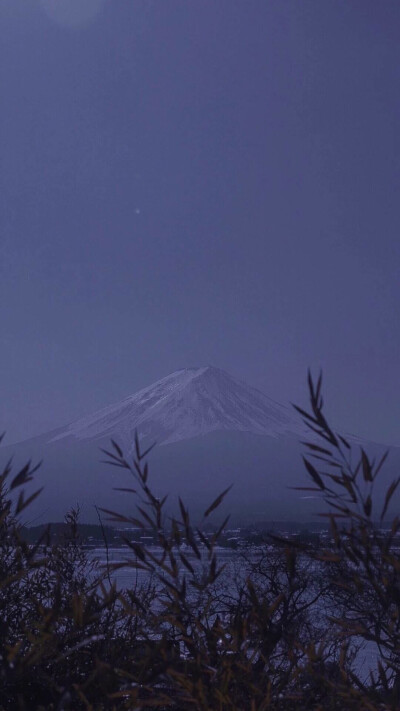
point(279, 632)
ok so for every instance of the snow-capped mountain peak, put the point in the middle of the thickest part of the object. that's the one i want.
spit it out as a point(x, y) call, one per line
point(187, 403)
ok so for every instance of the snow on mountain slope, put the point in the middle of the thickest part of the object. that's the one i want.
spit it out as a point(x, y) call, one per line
point(188, 403)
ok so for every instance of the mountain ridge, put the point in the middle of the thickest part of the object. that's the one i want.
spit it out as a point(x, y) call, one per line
point(187, 403)
point(211, 423)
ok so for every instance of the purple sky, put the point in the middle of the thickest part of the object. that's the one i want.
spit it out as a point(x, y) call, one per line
point(189, 183)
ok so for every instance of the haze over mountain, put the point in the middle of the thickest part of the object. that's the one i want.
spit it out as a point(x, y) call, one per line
point(214, 430)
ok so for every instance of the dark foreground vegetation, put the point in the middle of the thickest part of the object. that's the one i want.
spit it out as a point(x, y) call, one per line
point(281, 634)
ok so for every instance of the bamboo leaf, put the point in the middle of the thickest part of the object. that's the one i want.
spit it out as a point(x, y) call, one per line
point(392, 488)
point(317, 448)
point(367, 506)
point(23, 476)
point(305, 414)
point(23, 503)
point(366, 467)
point(344, 441)
point(314, 474)
point(217, 501)
point(381, 463)
point(124, 489)
point(117, 448)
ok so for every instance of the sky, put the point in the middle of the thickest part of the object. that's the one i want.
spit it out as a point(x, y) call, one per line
point(191, 183)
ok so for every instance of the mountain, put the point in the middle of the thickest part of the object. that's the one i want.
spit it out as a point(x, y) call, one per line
point(211, 429)
point(188, 403)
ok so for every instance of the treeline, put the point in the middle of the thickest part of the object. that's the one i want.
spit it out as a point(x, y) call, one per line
point(280, 631)
point(57, 533)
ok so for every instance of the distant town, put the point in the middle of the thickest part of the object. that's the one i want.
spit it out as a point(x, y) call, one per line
point(95, 536)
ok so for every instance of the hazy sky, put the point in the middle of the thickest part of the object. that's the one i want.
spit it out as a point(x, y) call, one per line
point(199, 182)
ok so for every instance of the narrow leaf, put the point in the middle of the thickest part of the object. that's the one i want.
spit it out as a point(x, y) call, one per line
point(366, 467)
point(117, 448)
point(392, 488)
point(217, 501)
point(314, 474)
